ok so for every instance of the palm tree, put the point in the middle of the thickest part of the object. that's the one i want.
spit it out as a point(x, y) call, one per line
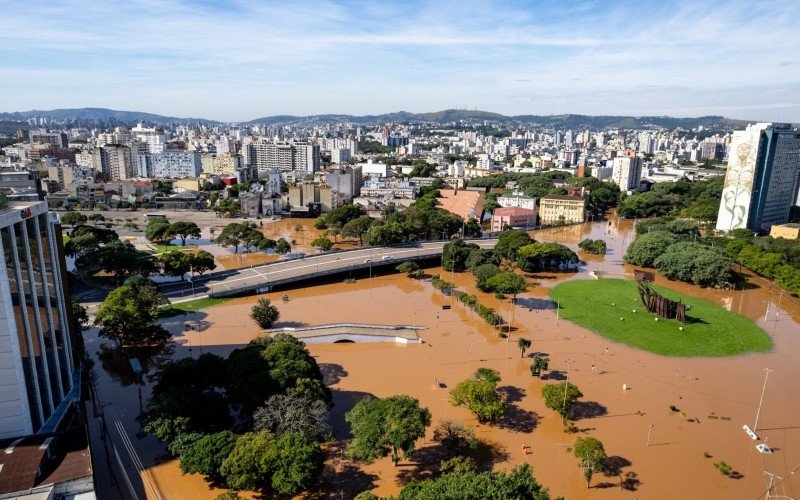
point(523, 344)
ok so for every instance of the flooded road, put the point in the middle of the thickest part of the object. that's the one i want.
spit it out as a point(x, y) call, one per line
point(657, 453)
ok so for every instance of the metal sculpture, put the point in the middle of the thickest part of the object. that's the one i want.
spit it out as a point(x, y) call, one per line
point(655, 302)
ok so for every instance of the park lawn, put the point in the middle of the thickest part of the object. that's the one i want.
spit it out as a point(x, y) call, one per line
point(710, 330)
point(167, 248)
point(191, 306)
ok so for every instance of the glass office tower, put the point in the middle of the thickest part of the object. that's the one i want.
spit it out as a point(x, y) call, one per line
point(38, 380)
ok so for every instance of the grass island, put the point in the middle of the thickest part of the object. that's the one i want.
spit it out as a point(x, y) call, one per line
point(607, 306)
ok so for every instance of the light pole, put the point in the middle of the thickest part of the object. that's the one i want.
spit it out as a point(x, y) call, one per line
point(763, 390)
point(470, 344)
point(566, 384)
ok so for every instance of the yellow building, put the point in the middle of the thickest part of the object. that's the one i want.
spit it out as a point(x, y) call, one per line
point(562, 208)
point(790, 231)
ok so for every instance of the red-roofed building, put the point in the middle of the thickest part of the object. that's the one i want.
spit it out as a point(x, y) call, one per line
point(503, 217)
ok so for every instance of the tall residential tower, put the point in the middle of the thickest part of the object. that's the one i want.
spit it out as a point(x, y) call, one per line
point(763, 177)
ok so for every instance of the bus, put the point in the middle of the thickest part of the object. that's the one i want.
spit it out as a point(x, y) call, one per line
point(155, 216)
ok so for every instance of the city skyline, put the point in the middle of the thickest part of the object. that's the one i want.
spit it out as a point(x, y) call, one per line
point(242, 61)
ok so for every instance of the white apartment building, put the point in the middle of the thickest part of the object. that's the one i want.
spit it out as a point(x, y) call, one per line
point(169, 165)
point(372, 168)
point(154, 138)
point(299, 157)
point(339, 156)
point(627, 172)
point(517, 199)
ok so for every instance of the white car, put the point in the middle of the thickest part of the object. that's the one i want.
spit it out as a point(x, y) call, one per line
point(386, 257)
point(367, 261)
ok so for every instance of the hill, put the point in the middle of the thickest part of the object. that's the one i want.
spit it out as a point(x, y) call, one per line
point(456, 117)
point(100, 115)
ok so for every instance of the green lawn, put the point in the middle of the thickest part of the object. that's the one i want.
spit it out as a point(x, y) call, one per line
point(166, 248)
point(710, 330)
point(191, 306)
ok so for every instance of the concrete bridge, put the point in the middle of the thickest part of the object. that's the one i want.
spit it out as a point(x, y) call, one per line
point(351, 332)
point(260, 279)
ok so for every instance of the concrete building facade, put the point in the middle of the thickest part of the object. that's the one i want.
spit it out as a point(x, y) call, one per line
point(763, 176)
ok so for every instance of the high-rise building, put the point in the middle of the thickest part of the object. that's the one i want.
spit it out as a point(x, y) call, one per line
point(762, 179)
point(38, 377)
point(627, 172)
point(300, 157)
point(116, 162)
point(154, 138)
point(169, 164)
point(712, 150)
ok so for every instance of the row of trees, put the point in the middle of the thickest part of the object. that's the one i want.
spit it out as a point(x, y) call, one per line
point(777, 259)
point(161, 231)
point(422, 220)
point(513, 247)
point(697, 200)
point(247, 235)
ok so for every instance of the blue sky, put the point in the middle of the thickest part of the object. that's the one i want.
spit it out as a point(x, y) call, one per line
point(241, 60)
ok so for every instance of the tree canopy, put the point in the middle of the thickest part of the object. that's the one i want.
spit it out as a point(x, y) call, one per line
point(206, 454)
point(538, 257)
point(560, 397)
point(264, 313)
point(510, 242)
point(518, 483)
point(646, 248)
point(455, 254)
point(283, 413)
point(386, 426)
point(507, 282)
point(128, 314)
point(480, 396)
point(592, 456)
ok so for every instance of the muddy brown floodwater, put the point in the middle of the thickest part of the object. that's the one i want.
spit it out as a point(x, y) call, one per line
point(656, 453)
point(286, 229)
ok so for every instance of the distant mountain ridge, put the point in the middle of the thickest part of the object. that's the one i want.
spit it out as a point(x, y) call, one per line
point(566, 121)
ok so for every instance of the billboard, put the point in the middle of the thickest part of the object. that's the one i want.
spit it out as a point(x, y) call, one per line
point(739, 179)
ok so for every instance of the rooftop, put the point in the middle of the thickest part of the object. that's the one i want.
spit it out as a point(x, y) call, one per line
point(461, 202)
point(44, 459)
point(510, 211)
point(566, 197)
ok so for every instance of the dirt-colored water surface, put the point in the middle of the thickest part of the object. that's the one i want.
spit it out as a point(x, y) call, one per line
point(284, 228)
point(658, 453)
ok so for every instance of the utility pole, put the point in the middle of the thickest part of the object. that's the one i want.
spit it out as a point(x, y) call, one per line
point(774, 481)
point(763, 390)
point(566, 384)
point(649, 430)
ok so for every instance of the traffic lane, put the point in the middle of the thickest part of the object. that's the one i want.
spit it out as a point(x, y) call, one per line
point(250, 276)
point(331, 262)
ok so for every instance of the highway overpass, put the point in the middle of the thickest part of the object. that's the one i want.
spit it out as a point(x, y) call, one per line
point(263, 278)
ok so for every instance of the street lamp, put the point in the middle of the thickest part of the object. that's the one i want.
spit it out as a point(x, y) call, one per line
point(470, 344)
point(763, 390)
point(566, 384)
